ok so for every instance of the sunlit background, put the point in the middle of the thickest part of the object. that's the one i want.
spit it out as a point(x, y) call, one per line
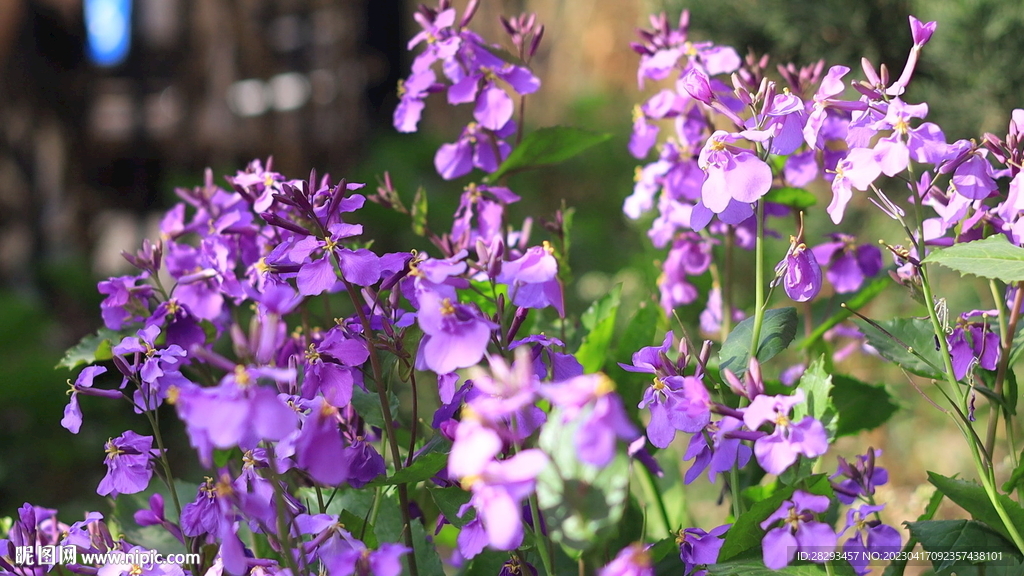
point(107, 105)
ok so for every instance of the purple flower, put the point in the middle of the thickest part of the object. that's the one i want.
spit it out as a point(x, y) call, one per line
point(357, 560)
point(129, 464)
point(982, 349)
point(798, 530)
point(732, 173)
point(487, 204)
point(868, 536)
point(512, 567)
point(498, 486)
point(145, 569)
point(316, 273)
point(722, 455)
point(494, 107)
point(921, 32)
point(125, 302)
point(800, 273)
point(778, 451)
point(477, 146)
point(861, 477)
point(454, 335)
point(676, 403)
point(591, 397)
point(700, 548)
point(848, 264)
point(83, 384)
point(858, 170)
point(632, 560)
point(411, 93)
point(533, 279)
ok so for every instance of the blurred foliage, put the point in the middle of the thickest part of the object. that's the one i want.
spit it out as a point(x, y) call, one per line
point(969, 73)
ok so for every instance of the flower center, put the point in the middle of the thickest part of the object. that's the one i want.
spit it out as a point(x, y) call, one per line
point(311, 354)
point(447, 308)
point(242, 376)
point(135, 570)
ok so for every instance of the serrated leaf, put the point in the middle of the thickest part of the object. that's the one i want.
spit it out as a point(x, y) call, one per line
point(963, 536)
point(746, 532)
point(547, 146)
point(856, 301)
point(90, 349)
point(777, 331)
point(860, 406)
point(817, 385)
point(599, 320)
point(993, 257)
point(793, 197)
point(972, 498)
point(923, 359)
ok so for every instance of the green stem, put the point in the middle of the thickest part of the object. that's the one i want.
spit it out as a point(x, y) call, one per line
point(1007, 333)
point(759, 303)
point(543, 543)
point(985, 472)
point(389, 425)
point(655, 495)
point(727, 283)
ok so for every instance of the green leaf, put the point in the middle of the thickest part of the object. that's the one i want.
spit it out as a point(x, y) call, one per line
point(599, 320)
point(582, 503)
point(367, 404)
point(358, 527)
point(962, 536)
point(993, 257)
point(972, 498)
point(422, 468)
point(922, 358)
point(860, 406)
point(638, 333)
point(746, 532)
point(854, 302)
point(428, 561)
point(817, 385)
point(1016, 477)
point(419, 212)
point(449, 500)
point(793, 197)
point(545, 146)
point(91, 349)
point(777, 331)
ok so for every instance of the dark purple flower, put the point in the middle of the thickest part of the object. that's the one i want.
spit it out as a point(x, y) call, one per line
point(476, 146)
point(983, 348)
point(125, 302)
point(848, 264)
point(860, 478)
point(779, 450)
point(700, 548)
point(798, 530)
point(129, 464)
point(722, 455)
point(512, 567)
point(869, 535)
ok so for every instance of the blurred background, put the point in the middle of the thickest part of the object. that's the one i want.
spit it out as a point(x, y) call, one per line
point(107, 105)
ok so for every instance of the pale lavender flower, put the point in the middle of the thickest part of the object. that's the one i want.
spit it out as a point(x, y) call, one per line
point(798, 530)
